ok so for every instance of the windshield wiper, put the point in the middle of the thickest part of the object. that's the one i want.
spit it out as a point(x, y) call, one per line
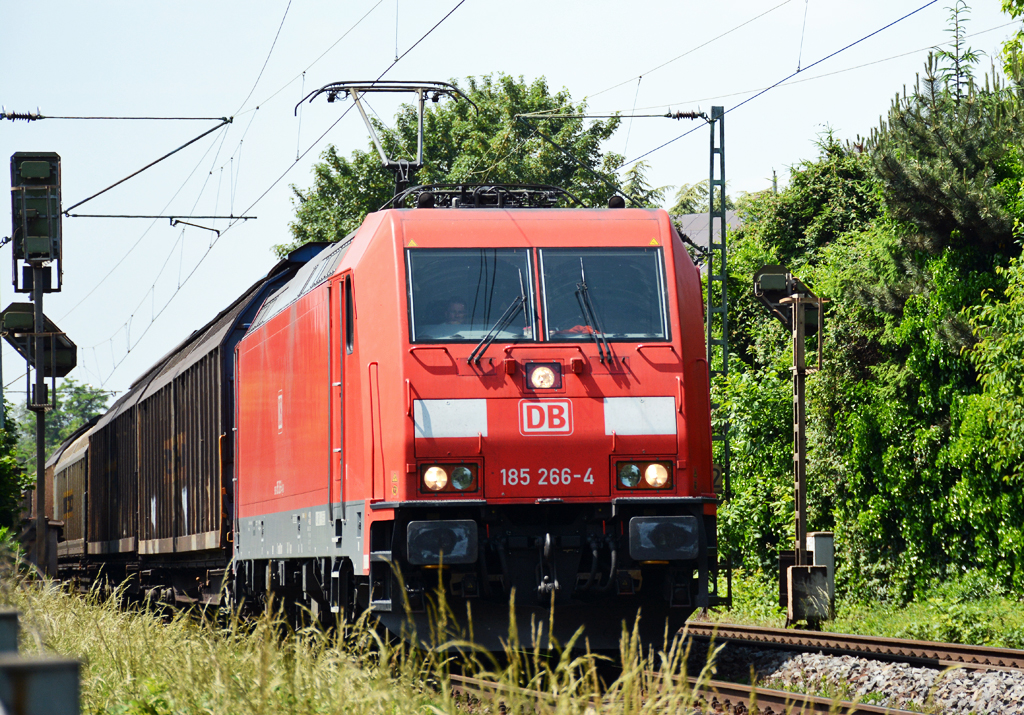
point(590, 315)
point(510, 313)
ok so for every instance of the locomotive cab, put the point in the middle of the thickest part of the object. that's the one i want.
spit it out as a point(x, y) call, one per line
point(505, 401)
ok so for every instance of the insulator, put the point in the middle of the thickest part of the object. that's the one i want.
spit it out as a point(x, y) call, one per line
point(27, 116)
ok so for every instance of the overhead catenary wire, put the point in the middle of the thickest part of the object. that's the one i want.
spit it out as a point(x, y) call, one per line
point(629, 127)
point(36, 116)
point(142, 236)
point(310, 66)
point(298, 132)
point(335, 123)
point(162, 216)
point(131, 344)
point(794, 81)
point(266, 61)
point(167, 216)
point(803, 32)
point(234, 171)
point(609, 182)
point(147, 166)
point(666, 115)
point(788, 77)
point(690, 51)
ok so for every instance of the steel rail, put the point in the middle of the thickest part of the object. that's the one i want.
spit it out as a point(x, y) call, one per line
point(712, 695)
point(927, 653)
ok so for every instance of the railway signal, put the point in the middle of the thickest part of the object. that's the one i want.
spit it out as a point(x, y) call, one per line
point(794, 305)
point(36, 255)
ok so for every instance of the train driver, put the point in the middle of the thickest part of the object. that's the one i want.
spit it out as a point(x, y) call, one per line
point(455, 313)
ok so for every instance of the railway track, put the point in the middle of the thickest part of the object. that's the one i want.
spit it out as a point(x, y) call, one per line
point(897, 650)
point(708, 696)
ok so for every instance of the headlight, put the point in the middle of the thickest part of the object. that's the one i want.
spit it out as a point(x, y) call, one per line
point(644, 475)
point(462, 478)
point(656, 475)
point(629, 474)
point(544, 376)
point(449, 478)
point(435, 479)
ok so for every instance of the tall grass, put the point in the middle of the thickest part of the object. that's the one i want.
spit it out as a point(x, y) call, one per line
point(148, 661)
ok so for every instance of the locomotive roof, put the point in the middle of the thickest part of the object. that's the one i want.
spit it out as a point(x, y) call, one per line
point(315, 272)
point(323, 266)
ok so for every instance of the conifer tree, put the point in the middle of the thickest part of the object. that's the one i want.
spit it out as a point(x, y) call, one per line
point(638, 188)
point(941, 155)
point(693, 199)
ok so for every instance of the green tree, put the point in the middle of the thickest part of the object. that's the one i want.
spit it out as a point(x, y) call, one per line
point(693, 199)
point(958, 59)
point(913, 460)
point(638, 188)
point(77, 403)
point(13, 480)
point(942, 160)
point(1013, 48)
point(989, 440)
point(826, 199)
point(461, 146)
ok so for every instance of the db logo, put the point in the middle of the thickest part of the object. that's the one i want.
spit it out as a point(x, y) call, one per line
point(547, 417)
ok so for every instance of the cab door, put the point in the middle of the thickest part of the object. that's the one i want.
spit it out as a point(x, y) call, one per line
point(337, 398)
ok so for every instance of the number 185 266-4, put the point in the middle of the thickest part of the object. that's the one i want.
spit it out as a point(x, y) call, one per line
point(545, 477)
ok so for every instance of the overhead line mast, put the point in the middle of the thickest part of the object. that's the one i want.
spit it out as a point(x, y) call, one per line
point(717, 281)
point(717, 317)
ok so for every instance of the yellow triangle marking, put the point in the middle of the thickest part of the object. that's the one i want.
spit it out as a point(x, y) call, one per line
point(410, 244)
point(654, 242)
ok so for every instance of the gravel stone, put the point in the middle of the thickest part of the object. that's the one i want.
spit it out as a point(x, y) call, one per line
point(954, 690)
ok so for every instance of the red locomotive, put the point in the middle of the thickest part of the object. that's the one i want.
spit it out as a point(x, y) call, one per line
point(490, 399)
point(480, 394)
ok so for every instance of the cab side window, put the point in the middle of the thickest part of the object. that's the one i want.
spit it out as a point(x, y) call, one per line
point(350, 328)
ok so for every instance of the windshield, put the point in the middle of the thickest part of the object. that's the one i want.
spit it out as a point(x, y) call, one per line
point(623, 288)
point(461, 294)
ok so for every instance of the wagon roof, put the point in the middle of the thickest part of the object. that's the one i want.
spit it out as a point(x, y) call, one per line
point(200, 341)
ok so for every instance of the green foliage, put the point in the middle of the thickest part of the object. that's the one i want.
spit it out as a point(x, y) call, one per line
point(758, 520)
point(77, 403)
point(461, 146)
point(888, 419)
point(1013, 48)
point(973, 608)
point(755, 598)
point(989, 446)
point(825, 198)
point(916, 449)
point(8, 542)
point(13, 480)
